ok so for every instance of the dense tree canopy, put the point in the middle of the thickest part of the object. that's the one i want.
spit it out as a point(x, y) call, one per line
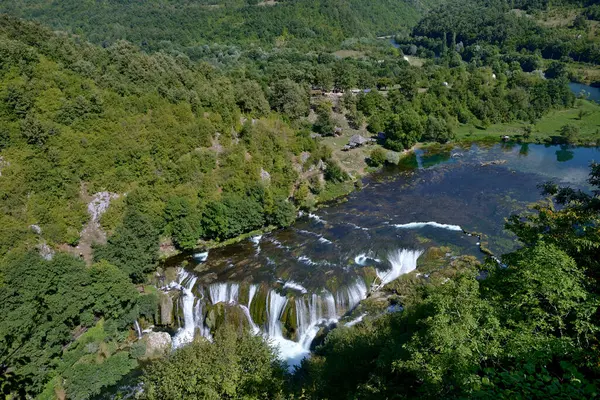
point(236, 366)
point(195, 118)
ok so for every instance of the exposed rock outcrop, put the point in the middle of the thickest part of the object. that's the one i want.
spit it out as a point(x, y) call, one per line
point(166, 309)
point(158, 344)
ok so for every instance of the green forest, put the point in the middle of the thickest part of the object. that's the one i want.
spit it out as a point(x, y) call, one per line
point(131, 130)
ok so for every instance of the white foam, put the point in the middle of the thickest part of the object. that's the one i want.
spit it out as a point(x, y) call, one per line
point(316, 218)
point(325, 241)
point(417, 225)
point(307, 261)
point(356, 320)
point(402, 261)
point(362, 258)
point(295, 286)
point(321, 238)
point(289, 351)
point(201, 257)
point(185, 334)
point(256, 239)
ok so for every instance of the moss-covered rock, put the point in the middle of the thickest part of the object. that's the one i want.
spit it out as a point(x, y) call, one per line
point(243, 293)
point(289, 320)
point(166, 309)
point(170, 274)
point(258, 308)
point(370, 275)
point(219, 314)
point(433, 259)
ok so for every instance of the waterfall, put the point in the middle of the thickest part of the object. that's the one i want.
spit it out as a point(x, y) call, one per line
point(138, 330)
point(348, 298)
point(199, 320)
point(224, 292)
point(402, 261)
point(186, 334)
point(314, 311)
point(251, 292)
point(331, 309)
point(255, 328)
point(275, 305)
point(246, 309)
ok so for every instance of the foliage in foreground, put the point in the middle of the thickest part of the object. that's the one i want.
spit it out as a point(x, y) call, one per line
point(235, 366)
point(45, 306)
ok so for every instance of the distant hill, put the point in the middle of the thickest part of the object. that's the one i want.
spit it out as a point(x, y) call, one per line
point(187, 24)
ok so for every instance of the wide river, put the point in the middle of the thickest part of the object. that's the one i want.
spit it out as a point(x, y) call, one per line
point(313, 272)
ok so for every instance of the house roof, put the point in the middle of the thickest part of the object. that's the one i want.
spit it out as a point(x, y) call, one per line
point(358, 139)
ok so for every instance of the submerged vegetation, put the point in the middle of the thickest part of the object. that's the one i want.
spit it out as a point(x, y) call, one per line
point(149, 127)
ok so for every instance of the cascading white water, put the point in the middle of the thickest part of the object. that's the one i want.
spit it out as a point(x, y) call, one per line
point(186, 334)
point(251, 292)
point(253, 326)
point(331, 309)
point(275, 305)
point(402, 261)
point(313, 311)
point(362, 259)
point(256, 241)
point(138, 330)
point(224, 292)
point(295, 286)
point(348, 298)
point(201, 257)
point(199, 320)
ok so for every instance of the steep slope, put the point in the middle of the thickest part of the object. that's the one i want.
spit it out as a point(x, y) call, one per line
point(76, 119)
point(188, 24)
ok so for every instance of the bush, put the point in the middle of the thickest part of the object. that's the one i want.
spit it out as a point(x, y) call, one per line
point(334, 173)
point(235, 366)
point(392, 157)
point(378, 157)
point(569, 132)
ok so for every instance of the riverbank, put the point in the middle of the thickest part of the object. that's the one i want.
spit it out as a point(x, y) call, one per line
point(585, 116)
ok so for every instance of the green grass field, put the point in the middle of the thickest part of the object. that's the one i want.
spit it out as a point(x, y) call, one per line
point(544, 129)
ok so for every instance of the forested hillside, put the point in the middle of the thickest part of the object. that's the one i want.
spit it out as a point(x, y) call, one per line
point(189, 25)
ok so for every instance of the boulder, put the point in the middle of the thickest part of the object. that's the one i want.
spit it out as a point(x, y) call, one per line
point(166, 309)
point(265, 176)
point(158, 344)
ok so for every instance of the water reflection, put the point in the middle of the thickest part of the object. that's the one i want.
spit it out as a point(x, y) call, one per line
point(564, 154)
point(524, 150)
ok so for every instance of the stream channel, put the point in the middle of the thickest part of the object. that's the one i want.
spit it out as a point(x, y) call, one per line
point(290, 283)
